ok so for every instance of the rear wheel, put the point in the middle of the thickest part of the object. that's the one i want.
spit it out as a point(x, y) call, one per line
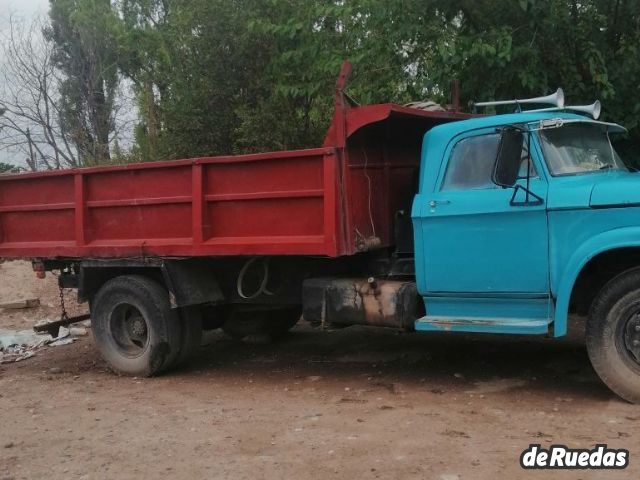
point(135, 329)
point(613, 335)
point(272, 323)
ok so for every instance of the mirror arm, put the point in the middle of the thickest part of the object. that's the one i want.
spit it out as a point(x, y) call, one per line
point(538, 200)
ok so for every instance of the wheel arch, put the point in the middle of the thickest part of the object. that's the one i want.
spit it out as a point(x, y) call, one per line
point(618, 250)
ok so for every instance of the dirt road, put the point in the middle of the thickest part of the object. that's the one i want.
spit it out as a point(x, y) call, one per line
point(354, 403)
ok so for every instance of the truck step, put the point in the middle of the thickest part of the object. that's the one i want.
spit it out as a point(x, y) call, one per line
point(530, 326)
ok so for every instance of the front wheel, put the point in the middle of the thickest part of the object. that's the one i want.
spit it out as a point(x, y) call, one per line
point(613, 335)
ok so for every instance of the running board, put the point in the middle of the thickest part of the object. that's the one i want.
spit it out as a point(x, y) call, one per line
point(528, 326)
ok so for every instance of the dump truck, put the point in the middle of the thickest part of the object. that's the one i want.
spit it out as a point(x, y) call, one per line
point(406, 218)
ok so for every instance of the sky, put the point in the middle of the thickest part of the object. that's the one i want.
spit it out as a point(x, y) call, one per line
point(26, 10)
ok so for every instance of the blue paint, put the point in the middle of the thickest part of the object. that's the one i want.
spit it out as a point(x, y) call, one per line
point(576, 239)
point(506, 268)
point(497, 306)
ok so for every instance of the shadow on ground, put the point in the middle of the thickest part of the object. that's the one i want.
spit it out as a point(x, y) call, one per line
point(439, 362)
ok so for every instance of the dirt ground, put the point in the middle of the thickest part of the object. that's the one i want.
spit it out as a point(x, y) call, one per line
point(355, 403)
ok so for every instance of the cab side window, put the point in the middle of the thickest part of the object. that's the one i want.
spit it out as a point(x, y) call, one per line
point(471, 163)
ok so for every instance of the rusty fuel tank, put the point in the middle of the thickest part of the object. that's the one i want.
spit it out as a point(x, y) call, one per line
point(361, 301)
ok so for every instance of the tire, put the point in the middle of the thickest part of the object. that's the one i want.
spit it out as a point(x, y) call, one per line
point(135, 330)
point(274, 323)
point(613, 335)
point(191, 333)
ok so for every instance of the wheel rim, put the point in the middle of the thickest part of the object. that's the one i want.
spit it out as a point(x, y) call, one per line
point(129, 330)
point(631, 338)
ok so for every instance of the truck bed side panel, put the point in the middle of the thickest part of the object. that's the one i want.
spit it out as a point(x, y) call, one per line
point(281, 203)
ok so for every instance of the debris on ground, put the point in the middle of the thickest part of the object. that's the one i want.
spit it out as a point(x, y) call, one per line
point(15, 353)
point(62, 341)
point(19, 304)
point(18, 345)
point(10, 338)
point(78, 331)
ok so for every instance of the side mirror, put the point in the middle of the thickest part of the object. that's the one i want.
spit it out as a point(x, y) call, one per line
point(507, 166)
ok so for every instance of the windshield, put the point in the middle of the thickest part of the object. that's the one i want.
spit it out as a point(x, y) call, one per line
point(579, 148)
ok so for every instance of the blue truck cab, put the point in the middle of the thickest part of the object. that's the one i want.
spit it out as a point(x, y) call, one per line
point(523, 219)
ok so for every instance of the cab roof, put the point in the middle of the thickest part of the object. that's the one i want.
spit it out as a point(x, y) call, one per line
point(453, 129)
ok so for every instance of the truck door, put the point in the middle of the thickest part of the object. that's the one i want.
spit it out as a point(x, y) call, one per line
point(482, 254)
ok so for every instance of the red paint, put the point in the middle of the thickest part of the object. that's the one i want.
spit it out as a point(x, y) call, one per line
point(305, 202)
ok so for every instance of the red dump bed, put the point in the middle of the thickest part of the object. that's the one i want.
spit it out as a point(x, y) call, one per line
point(330, 201)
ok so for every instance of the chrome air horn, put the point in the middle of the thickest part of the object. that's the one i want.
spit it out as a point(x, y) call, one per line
point(556, 99)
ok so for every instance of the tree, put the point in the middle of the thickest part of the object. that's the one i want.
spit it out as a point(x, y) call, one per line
point(192, 65)
point(221, 76)
point(85, 38)
point(232, 76)
point(387, 42)
point(530, 47)
point(8, 168)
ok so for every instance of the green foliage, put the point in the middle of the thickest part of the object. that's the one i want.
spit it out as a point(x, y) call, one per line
point(531, 47)
point(8, 168)
point(237, 76)
point(309, 40)
point(231, 76)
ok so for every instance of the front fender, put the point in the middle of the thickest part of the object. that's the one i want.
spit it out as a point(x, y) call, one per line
point(611, 240)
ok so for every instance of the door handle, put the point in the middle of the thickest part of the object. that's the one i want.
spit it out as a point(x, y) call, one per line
point(435, 203)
